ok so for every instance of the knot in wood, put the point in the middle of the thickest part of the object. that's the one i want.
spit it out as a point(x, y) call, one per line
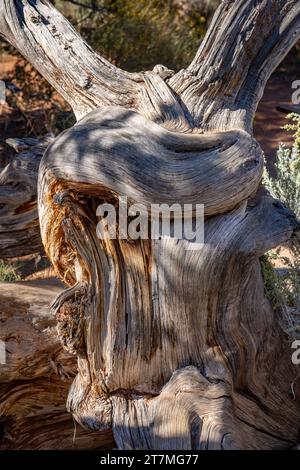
point(163, 71)
point(60, 198)
point(35, 19)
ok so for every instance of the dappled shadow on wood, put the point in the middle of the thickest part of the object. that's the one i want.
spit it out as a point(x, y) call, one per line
point(175, 348)
point(165, 336)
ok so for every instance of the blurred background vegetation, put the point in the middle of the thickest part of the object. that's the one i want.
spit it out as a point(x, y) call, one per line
point(138, 34)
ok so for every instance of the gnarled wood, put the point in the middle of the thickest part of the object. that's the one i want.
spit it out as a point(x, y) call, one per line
point(53, 46)
point(176, 348)
point(35, 380)
point(19, 223)
point(245, 42)
point(219, 90)
point(117, 150)
point(135, 327)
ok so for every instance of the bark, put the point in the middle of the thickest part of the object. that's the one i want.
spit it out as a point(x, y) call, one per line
point(176, 348)
point(35, 380)
point(19, 222)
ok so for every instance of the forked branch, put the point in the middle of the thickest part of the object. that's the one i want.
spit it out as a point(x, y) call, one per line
point(219, 90)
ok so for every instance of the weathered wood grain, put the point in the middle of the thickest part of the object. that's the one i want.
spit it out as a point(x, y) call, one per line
point(85, 79)
point(144, 310)
point(35, 380)
point(19, 222)
point(176, 348)
point(122, 152)
point(246, 41)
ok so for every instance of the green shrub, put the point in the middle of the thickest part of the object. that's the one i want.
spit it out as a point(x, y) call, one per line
point(295, 127)
point(8, 273)
point(282, 289)
point(286, 185)
point(282, 285)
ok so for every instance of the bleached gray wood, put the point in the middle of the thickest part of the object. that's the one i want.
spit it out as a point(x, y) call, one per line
point(51, 44)
point(117, 150)
point(245, 42)
point(219, 90)
point(35, 380)
point(19, 222)
point(176, 348)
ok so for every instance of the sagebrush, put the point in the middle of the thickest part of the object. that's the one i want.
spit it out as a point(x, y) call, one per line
point(282, 284)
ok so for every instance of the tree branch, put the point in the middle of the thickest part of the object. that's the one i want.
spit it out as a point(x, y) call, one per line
point(243, 46)
point(121, 149)
point(85, 79)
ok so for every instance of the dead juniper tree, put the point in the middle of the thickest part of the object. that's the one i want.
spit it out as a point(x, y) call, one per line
point(176, 348)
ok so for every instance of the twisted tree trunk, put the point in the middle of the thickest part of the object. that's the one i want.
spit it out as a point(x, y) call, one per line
point(176, 348)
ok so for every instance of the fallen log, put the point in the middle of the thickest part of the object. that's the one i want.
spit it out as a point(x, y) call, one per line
point(36, 376)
